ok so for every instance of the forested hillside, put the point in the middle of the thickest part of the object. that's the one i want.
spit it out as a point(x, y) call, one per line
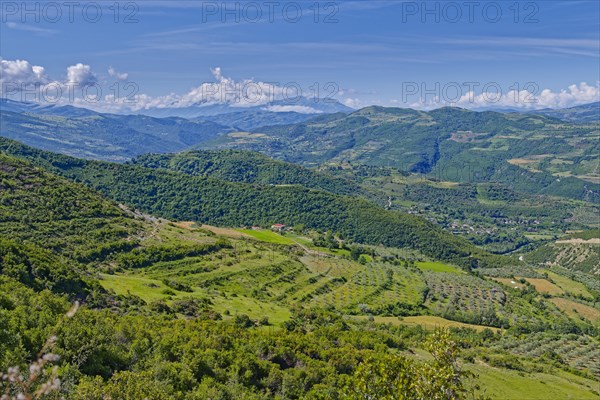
point(330, 287)
point(173, 310)
point(247, 167)
point(531, 153)
point(208, 200)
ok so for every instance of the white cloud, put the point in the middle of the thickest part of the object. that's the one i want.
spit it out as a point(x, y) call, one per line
point(244, 93)
point(298, 109)
point(20, 75)
point(524, 99)
point(531, 99)
point(122, 76)
point(23, 75)
point(80, 75)
point(352, 103)
point(29, 28)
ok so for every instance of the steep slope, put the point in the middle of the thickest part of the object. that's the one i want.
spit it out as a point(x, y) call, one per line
point(579, 251)
point(48, 226)
point(247, 167)
point(180, 196)
point(45, 210)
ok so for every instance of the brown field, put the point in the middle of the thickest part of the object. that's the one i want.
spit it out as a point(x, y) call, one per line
point(185, 224)
point(590, 178)
point(428, 322)
point(190, 225)
point(545, 286)
point(466, 136)
point(513, 283)
point(579, 241)
point(574, 309)
point(246, 135)
point(520, 161)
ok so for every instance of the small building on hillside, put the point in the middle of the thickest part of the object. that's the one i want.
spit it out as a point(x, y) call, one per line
point(278, 227)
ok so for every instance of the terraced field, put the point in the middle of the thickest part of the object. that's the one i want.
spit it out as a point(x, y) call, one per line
point(505, 384)
point(267, 270)
point(545, 286)
point(377, 289)
point(568, 285)
point(265, 274)
point(463, 293)
point(581, 352)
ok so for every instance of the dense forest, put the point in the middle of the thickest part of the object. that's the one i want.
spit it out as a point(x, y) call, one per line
point(180, 196)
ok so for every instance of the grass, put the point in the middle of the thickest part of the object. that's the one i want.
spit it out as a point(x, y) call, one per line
point(151, 290)
point(147, 289)
point(303, 240)
point(538, 236)
point(437, 267)
point(545, 286)
point(568, 285)
point(589, 234)
point(180, 234)
point(574, 309)
point(505, 384)
point(267, 236)
point(428, 322)
point(254, 308)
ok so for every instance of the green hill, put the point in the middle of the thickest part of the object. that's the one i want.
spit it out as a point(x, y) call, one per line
point(246, 167)
point(174, 311)
point(183, 197)
point(48, 211)
point(530, 153)
point(50, 227)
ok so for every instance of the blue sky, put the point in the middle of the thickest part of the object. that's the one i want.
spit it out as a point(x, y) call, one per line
point(372, 51)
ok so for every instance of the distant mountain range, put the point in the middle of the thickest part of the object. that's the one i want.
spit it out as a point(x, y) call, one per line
point(580, 114)
point(246, 118)
point(531, 153)
point(84, 133)
point(546, 154)
point(278, 112)
point(301, 105)
point(19, 107)
point(585, 113)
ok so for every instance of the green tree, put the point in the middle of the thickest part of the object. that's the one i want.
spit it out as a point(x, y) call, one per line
point(395, 377)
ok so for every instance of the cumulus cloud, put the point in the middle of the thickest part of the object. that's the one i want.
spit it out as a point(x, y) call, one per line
point(352, 102)
point(250, 92)
point(225, 90)
point(526, 99)
point(530, 99)
point(80, 75)
point(122, 76)
point(20, 75)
